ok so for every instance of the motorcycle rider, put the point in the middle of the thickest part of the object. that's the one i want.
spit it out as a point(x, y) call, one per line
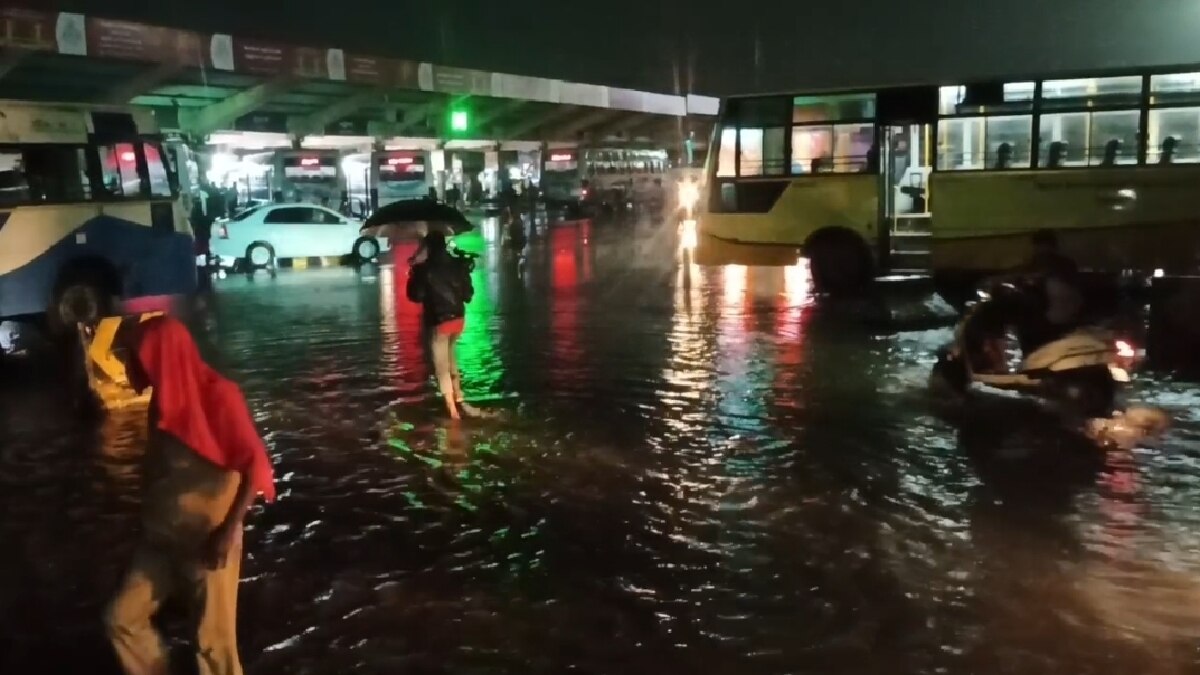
point(1054, 310)
point(1057, 275)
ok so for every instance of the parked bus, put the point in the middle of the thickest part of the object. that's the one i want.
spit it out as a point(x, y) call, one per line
point(602, 177)
point(90, 212)
point(379, 178)
point(954, 179)
point(291, 176)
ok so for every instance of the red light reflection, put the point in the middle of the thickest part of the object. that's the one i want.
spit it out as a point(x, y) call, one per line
point(409, 329)
point(564, 305)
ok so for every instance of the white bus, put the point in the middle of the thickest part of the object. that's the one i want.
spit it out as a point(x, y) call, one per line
point(292, 176)
point(89, 213)
point(606, 177)
point(379, 178)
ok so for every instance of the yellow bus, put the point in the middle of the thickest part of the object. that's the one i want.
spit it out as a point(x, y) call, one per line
point(951, 180)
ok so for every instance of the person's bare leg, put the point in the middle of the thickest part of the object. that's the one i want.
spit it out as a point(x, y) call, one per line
point(138, 645)
point(442, 353)
point(456, 381)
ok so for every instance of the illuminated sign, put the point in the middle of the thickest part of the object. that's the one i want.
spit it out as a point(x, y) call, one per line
point(562, 157)
point(400, 160)
point(310, 161)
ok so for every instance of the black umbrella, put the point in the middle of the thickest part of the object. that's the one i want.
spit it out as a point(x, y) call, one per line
point(413, 218)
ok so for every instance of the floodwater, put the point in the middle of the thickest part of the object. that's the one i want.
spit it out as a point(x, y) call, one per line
point(687, 470)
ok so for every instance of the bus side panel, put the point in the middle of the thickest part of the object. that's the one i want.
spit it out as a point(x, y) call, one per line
point(806, 205)
point(148, 262)
point(1107, 219)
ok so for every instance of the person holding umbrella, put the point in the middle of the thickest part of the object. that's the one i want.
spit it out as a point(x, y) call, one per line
point(442, 285)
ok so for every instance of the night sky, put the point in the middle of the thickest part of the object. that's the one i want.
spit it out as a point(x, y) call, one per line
point(733, 46)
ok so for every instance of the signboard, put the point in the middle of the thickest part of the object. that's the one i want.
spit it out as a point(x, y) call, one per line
point(261, 58)
point(365, 69)
point(404, 74)
point(138, 42)
point(220, 51)
point(451, 80)
point(70, 33)
point(335, 64)
point(27, 29)
point(309, 63)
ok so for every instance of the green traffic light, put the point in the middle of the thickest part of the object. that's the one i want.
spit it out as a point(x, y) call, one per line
point(459, 120)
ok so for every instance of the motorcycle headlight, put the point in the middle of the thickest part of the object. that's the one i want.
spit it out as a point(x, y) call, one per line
point(1125, 349)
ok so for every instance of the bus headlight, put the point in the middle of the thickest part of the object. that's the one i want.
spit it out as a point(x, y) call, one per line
point(687, 235)
point(689, 195)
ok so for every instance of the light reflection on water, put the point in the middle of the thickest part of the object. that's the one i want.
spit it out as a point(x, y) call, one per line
point(690, 469)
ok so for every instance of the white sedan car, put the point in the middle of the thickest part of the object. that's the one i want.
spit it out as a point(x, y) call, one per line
point(262, 234)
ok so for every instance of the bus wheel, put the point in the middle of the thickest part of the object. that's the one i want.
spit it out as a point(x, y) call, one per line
point(83, 296)
point(366, 250)
point(259, 255)
point(839, 260)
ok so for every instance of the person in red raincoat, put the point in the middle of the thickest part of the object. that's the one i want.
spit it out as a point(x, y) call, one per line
point(205, 465)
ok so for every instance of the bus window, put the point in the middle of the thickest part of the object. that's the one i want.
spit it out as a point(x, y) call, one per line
point(1114, 138)
point(1180, 124)
point(807, 109)
point(1175, 89)
point(118, 168)
point(810, 145)
point(960, 144)
point(14, 189)
point(160, 179)
point(851, 147)
point(1009, 141)
point(727, 153)
point(841, 148)
point(750, 152)
point(774, 160)
point(759, 112)
point(1012, 97)
point(1089, 91)
point(55, 174)
point(1064, 141)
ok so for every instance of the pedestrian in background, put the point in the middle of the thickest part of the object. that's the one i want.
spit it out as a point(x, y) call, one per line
point(442, 285)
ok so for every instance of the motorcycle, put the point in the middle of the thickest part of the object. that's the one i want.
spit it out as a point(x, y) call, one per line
point(1081, 371)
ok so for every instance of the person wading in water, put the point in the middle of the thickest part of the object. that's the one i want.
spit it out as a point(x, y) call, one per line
point(442, 285)
point(205, 465)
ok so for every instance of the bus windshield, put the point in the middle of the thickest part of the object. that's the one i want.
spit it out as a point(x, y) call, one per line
point(402, 168)
point(310, 169)
point(562, 162)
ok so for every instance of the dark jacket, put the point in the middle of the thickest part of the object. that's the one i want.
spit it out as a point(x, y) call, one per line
point(442, 285)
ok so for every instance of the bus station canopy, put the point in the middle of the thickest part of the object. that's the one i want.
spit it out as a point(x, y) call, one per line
point(199, 84)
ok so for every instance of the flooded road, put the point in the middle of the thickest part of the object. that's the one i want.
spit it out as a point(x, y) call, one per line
point(688, 470)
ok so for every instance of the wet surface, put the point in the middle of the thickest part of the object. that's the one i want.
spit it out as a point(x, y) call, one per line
point(689, 469)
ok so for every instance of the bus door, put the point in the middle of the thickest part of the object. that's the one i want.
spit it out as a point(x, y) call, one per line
point(905, 147)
